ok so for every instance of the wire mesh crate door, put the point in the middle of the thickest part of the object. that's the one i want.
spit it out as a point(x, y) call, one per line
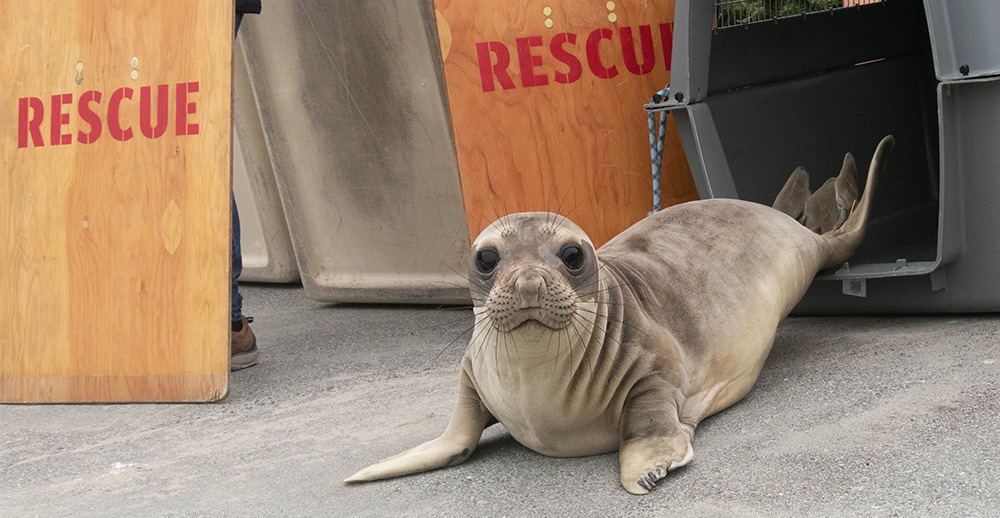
point(729, 13)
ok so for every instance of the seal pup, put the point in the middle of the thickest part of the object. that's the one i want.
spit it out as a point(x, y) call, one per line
point(582, 352)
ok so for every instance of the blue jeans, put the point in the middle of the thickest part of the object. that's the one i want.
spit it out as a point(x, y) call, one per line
point(236, 300)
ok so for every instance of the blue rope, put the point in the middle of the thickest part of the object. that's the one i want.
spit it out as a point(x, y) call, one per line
point(656, 144)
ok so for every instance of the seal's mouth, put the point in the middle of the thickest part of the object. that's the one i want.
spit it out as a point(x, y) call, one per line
point(539, 319)
point(531, 324)
point(532, 330)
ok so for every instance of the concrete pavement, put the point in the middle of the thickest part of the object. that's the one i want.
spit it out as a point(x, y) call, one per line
point(860, 416)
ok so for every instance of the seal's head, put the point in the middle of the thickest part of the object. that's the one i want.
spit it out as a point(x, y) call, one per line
point(532, 269)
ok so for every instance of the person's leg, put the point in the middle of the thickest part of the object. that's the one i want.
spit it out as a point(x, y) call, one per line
point(243, 343)
point(237, 299)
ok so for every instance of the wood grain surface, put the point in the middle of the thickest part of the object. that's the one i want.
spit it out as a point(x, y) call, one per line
point(546, 101)
point(114, 200)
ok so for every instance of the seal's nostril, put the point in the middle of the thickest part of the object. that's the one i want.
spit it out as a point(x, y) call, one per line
point(529, 288)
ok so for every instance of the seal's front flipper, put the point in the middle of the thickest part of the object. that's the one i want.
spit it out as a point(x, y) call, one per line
point(792, 198)
point(654, 442)
point(645, 461)
point(430, 455)
point(455, 445)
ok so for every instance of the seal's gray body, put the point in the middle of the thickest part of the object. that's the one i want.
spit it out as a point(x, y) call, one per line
point(627, 348)
point(718, 294)
point(681, 289)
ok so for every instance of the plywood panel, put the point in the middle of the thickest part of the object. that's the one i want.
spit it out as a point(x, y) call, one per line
point(114, 200)
point(546, 101)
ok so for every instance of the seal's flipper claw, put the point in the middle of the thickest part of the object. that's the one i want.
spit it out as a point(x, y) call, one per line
point(648, 483)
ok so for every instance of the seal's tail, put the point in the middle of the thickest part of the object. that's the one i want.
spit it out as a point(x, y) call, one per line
point(840, 243)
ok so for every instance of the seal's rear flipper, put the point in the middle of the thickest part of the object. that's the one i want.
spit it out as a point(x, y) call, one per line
point(827, 209)
point(792, 198)
point(840, 243)
point(846, 186)
point(858, 218)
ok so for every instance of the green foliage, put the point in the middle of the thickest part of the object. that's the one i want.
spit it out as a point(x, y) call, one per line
point(743, 12)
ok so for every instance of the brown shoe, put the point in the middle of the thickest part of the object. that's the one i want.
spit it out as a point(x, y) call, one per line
point(244, 347)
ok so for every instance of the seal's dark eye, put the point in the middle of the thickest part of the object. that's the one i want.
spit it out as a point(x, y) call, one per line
point(572, 256)
point(486, 260)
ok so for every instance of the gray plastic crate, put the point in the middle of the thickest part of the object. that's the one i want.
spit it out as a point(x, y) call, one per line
point(356, 127)
point(966, 37)
point(266, 247)
point(754, 101)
